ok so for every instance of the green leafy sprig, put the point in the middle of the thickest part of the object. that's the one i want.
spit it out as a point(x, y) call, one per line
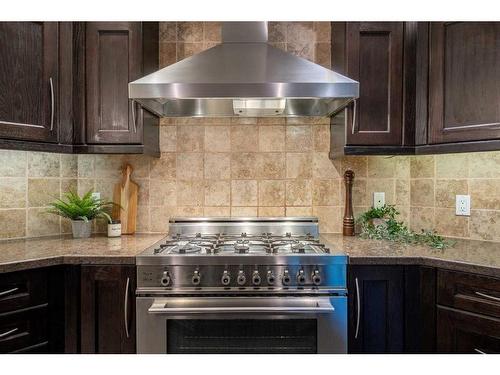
point(85, 208)
point(393, 230)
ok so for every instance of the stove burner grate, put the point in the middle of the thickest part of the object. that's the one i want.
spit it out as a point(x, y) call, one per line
point(244, 243)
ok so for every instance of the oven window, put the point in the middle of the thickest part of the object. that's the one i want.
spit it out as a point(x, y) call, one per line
point(242, 336)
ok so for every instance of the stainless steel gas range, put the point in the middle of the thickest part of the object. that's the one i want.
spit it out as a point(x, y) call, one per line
point(241, 285)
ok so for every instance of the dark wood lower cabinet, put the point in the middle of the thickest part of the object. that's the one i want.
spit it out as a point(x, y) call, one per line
point(107, 309)
point(463, 332)
point(380, 292)
point(32, 314)
point(397, 309)
point(400, 309)
point(468, 313)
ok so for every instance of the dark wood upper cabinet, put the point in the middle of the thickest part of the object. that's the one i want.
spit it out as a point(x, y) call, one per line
point(425, 88)
point(113, 59)
point(382, 57)
point(374, 54)
point(64, 86)
point(29, 80)
point(464, 76)
point(107, 309)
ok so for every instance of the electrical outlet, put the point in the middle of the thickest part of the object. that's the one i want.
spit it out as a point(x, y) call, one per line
point(96, 195)
point(462, 205)
point(378, 199)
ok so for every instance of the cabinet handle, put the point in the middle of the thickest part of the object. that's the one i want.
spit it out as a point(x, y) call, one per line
point(9, 291)
point(52, 104)
point(125, 308)
point(354, 106)
point(5, 334)
point(479, 351)
point(358, 308)
point(134, 120)
point(488, 296)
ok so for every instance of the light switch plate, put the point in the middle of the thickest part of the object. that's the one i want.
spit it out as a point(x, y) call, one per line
point(378, 199)
point(462, 205)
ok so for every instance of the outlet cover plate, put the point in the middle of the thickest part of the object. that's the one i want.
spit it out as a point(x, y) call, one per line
point(462, 205)
point(96, 195)
point(378, 199)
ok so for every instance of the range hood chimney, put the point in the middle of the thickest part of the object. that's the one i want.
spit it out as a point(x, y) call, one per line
point(244, 76)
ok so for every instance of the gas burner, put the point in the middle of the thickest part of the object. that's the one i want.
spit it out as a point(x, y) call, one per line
point(241, 247)
point(187, 249)
point(298, 248)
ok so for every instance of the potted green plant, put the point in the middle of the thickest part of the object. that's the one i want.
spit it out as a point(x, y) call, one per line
point(81, 211)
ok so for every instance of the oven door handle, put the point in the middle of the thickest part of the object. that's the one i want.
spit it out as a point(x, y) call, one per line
point(319, 307)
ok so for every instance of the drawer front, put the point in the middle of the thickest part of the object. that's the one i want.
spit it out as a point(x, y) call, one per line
point(469, 292)
point(23, 329)
point(19, 290)
point(463, 332)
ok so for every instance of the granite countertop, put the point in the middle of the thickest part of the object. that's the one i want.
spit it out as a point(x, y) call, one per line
point(48, 251)
point(466, 255)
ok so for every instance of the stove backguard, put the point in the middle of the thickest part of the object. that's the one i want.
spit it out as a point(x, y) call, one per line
point(255, 226)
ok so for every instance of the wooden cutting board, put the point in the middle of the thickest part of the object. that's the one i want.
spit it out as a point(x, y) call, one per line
point(125, 194)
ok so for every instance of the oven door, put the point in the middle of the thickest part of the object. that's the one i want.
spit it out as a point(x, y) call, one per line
point(212, 325)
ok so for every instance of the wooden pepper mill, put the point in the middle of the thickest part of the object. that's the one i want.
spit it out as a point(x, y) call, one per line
point(348, 223)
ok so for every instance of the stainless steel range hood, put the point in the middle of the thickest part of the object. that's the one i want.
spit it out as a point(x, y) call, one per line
point(244, 76)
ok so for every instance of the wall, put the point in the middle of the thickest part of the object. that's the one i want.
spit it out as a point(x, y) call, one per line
point(424, 188)
point(258, 166)
point(28, 182)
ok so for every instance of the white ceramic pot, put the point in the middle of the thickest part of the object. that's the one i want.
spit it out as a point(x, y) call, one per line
point(115, 228)
point(81, 229)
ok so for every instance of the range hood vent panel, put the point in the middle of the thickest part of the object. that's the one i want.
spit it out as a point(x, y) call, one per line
point(206, 84)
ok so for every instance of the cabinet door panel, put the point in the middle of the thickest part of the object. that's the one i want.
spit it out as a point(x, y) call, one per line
point(380, 290)
point(103, 309)
point(464, 93)
point(113, 59)
point(28, 64)
point(375, 59)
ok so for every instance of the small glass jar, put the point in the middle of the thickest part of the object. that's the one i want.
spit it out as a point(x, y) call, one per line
point(115, 228)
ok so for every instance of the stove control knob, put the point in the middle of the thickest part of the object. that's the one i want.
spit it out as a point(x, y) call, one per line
point(256, 278)
point(316, 277)
point(196, 278)
point(301, 278)
point(241, 279)
point(270, 277)
point(165, 279)
point(226, 279)
point(286, 277)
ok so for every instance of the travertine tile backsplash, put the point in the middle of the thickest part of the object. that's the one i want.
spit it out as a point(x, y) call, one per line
point(28, 181)
point(253, 166)
point(265, 183)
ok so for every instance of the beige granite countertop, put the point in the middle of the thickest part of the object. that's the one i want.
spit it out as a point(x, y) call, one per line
point(466, 255)
point(47, 251)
